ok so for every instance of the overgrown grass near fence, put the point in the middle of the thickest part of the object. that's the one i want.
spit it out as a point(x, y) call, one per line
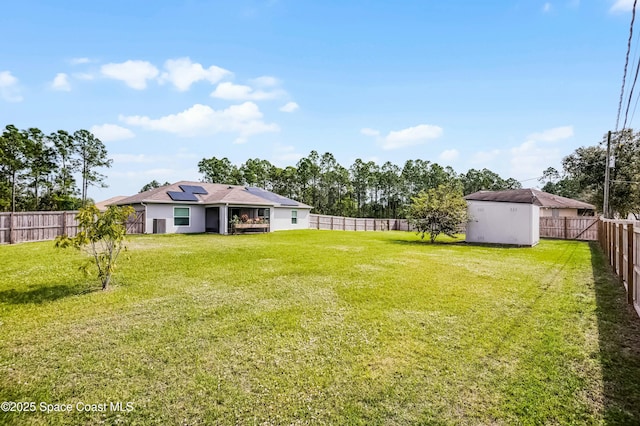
point(320, 327)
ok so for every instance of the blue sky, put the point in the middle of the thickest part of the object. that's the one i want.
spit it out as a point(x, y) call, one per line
point(513, 86)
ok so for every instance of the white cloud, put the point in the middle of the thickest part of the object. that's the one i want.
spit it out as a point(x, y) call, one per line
point(131, 158)
point(238, 92)
point(169, 158)
point(483, 157)
point(134, 73)
point(370, 132)
point(9, 89)
point(289, 107)
point(265, 81)
point(182, 73)
point(546, 8)
point(79, 61)
point(83, 76)
point(622, 6)
point(527, 160)
point(530, 158)
point(411, 136)
point(159, 174)
point(552, 135)
point(244, 119)
point(538, 152)
point(449, 155)
point(285, 155)
point(111, 132)
point(61, 82)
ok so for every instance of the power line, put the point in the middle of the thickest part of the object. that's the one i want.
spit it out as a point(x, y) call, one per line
point(626, 62)
point(635, 57)
point(625, 181)
point(526, 180)
point(634, 107)
point(635, 79)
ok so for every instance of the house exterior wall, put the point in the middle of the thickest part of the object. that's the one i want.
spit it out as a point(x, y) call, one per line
point(503, 223)
point(549, 212)
point(281, 218)
point(165, 211)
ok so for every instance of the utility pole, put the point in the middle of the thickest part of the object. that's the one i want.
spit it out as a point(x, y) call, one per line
point(605, 206)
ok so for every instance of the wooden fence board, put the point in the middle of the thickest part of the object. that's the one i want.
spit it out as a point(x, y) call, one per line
point(569, 228)
point(341, 223)
point(45, 226)
point(620, 241)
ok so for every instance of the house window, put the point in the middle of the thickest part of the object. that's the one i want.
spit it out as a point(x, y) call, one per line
point(294, 217)
point(181, 216)
point(263, 213)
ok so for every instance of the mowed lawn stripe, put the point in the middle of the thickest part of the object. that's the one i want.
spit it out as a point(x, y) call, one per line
point(319, 327)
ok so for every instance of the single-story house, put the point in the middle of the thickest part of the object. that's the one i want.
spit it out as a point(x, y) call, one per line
point(552, 205)
point(513, 216)
point(194, 207)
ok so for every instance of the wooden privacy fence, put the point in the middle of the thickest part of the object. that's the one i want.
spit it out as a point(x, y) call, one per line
point(42, 226)
point(620, 241)
point(341, 223)
point(570, 228)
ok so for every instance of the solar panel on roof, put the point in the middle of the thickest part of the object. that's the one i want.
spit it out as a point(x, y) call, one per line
point(182, 196)
point(274, 198)
point(193, 189)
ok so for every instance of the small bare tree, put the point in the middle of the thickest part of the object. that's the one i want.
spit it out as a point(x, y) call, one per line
point(102, 235)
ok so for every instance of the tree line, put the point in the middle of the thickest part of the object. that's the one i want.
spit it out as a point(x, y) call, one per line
point(38, 171)
point(364, 189)
point(53, 172)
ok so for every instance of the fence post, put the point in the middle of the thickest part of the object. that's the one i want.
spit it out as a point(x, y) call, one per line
point(11, 240)
point(606, 238)
point(620, 252)
point(610, 248)
point(332, 223)
point(64, 223)
point(599, 233)
point(565, 227)
point(630, 260)
point(612, 239)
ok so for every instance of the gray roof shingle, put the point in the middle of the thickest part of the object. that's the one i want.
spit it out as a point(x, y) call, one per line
point(216, 193)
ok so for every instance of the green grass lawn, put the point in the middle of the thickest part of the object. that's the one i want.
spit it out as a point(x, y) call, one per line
point(320, 327)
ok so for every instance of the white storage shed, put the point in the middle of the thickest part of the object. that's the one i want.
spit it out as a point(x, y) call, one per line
point(503, 217)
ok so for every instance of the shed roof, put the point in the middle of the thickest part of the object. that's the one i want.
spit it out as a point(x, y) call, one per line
point(530, 196)
point(216, 194)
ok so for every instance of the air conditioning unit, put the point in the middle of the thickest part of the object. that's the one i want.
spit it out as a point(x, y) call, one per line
point(159, 226)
